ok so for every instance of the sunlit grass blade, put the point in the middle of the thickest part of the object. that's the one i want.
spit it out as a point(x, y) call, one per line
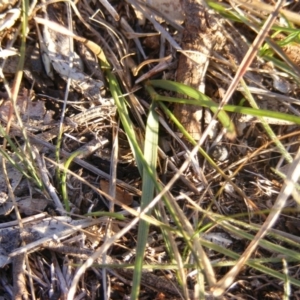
point(287, 286)
point(171, 246)
point(148, 187)
point(265, 125)
point(255, 265)
point(117, 216)
point(202, 100)
point(171, 116)
point(125, 119)
point(114, 88)
point(239, 229)
point(25, 166)
point(193, 93)
point(63, 179)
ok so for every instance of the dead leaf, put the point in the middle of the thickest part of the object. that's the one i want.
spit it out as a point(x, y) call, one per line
point(13, 174)
point(36, 110)
point(121, 195)
point(57, 52)
point(30, 206)
point(21, 105)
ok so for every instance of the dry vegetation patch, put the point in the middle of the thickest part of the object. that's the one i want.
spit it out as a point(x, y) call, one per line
point(175, 109)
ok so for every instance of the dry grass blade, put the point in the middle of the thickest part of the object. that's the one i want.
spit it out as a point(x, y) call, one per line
point(156, 25)
point(268, 9)
point(205, 266)
point(248, 58)
point(286, 191)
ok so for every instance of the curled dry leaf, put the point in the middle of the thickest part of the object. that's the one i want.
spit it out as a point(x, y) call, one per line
point(122, 195)
point(57, 52)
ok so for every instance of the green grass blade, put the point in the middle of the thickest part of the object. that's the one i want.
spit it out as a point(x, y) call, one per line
point(125, 119)
point(241, 231)
point(265, 125)
point(256, 265)
point(193, 93)
point(202, 100)
point(25, 166)
point(63, 179)
point(117, 216)
point(148, 187)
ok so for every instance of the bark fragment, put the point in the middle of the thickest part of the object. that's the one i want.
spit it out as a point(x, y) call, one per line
point(198, 40)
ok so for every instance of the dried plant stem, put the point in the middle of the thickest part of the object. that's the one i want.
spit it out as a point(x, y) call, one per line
point(228, 279)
